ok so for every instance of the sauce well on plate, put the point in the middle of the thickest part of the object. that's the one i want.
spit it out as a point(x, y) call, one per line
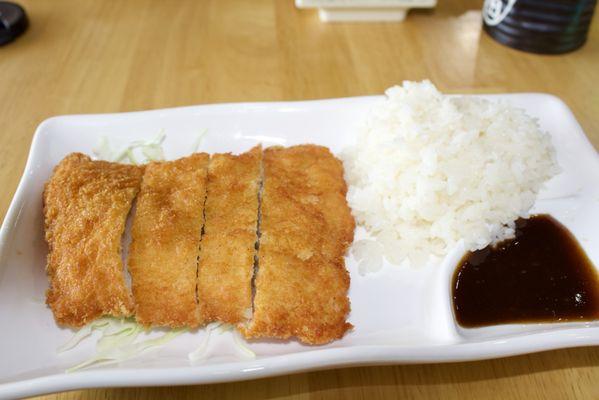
point(542, 275)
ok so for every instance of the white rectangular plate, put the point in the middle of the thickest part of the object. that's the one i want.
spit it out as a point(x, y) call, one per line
point(400, 315)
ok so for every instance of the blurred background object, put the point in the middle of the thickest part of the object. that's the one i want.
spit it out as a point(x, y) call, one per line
point(13, 22)
point(363, 10)
point(539, 26)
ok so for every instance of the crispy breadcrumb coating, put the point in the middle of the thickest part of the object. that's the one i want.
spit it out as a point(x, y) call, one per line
point(228, 245)
point(306, 227)
point(165, 242)
point(86, 204)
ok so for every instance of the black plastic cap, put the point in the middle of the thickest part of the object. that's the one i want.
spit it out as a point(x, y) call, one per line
point(13, 22)
point(539, 26)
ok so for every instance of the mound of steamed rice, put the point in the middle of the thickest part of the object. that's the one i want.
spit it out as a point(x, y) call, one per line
point(429, 170)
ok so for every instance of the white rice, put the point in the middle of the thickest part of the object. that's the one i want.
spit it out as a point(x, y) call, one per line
point(429, 170)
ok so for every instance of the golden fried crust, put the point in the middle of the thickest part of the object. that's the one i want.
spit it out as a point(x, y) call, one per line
point(228, 244)
point(85, 208)
point(319, 177)
point(306, 299)
point(165, 242)
point(306, 227)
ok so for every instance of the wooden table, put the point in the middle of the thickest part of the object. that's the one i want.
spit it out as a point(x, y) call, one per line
point(87, 56)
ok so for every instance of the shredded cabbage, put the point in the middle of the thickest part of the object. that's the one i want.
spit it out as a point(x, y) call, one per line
point(201, 351)
point(148, 150)
point(118, 343)
point(118, 335)
point(83, 333)
point(242, 345)
point(221, 328)
point(103, 150)
point(153, 152)
point(140, 151)
point(130, 157)
point(225, 328)
point(198, 141)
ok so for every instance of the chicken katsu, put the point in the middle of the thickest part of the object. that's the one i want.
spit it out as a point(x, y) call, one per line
point(86, 204)
point(256, 240)
point(165, 242)
point(230, 233)
point(306, 225)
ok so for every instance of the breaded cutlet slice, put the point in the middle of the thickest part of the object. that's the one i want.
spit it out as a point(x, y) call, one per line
point(228, 245)
point(165, 242)
point(86, 204)
point(306, 226)
point(320, 174)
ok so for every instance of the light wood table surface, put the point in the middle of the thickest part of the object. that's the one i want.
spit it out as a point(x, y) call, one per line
point(86, 56)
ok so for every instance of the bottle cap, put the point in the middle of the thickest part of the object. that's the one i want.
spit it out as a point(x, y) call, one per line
point(13, 21)
point(539, 26)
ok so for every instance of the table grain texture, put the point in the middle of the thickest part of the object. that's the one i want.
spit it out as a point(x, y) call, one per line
point(86, 56)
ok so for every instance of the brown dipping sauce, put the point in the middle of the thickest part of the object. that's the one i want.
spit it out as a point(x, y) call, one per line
point(543, 275)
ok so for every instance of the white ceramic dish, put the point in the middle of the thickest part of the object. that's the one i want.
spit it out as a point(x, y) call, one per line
point(400, 316)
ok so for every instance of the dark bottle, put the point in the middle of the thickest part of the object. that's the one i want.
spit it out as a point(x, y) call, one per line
point(539, 26)
point(13, 21)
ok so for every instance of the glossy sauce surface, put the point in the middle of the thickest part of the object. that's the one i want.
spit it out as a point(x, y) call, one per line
point(543, 275)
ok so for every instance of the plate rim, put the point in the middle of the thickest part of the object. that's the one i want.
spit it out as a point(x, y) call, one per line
point(363, 355)
point(358, 355)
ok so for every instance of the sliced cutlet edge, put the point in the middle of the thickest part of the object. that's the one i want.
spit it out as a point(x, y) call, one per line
point(227, 257)
point(165, 245)
point(86, 204)
point(306, 227)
